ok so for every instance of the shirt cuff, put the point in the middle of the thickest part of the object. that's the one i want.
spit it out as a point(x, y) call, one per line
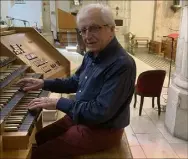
point(47, 84)
point(64, 104)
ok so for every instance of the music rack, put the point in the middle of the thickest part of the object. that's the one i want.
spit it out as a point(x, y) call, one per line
point(34, 50)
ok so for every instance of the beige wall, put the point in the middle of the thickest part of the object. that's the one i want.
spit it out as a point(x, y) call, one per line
point(4, 6)
point(22, 11)
point(63, 5)
point(167, 21)
point(142, 14)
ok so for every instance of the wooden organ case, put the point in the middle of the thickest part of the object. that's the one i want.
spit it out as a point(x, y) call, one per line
point(24, 53)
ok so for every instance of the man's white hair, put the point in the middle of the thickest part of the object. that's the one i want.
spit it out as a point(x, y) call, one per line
point(104, 11)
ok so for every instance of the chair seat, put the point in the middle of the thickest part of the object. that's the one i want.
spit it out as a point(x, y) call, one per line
point(121, 151)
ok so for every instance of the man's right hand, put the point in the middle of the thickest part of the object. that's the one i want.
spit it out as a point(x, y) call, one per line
point(30, 84)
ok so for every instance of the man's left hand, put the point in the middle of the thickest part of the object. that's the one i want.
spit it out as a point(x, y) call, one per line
point(44, 102)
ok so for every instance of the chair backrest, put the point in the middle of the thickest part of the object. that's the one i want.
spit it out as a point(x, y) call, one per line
point(150, 83)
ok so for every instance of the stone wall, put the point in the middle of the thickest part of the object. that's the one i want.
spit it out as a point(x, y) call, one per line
point(167, 21)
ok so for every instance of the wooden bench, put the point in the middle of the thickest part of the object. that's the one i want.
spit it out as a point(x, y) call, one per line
point(121, 151)
point(142, 41)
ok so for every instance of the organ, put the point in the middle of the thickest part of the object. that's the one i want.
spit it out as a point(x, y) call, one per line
point(24, 53)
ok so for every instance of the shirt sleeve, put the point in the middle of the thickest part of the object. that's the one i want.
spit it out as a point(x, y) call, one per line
point(115, 92)
point(67, 85)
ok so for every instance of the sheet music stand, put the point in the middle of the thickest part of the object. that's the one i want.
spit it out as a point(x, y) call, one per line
point(172, 36)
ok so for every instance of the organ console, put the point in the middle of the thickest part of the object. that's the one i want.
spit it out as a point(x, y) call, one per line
point(24, 53)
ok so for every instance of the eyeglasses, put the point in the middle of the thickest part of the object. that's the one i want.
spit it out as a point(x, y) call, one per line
point(92, 29)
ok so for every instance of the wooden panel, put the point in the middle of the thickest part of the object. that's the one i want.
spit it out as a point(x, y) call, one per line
point(155, 47)
point(66, 20)
point(167, 49)
point(67, 36)
point(34, 44)
point(8, 32)
point(14, 154)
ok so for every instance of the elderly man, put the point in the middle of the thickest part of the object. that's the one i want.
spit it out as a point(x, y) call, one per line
point(104, 85)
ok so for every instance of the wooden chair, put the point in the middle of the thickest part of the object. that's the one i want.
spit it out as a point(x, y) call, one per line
point(149, 84)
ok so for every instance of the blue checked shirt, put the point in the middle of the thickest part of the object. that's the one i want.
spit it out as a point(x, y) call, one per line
point(104, 86)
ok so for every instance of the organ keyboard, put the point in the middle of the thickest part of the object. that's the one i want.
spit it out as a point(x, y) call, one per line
point(18, 124)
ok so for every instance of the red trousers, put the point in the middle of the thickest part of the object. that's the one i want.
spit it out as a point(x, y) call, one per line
point(63, 139)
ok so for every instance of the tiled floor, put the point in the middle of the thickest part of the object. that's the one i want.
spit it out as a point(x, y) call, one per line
point(147, 136)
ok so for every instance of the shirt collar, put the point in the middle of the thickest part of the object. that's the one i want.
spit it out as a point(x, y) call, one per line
point(109, 49)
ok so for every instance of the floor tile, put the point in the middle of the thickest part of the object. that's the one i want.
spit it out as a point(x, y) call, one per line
point(181, 149)
point(147, 102)
point(173, 139)
point(162, 129)
point(169, 137)
point(153, 114)
point(137, 152)
point(131, 137)
point(135, 112)
point(143, 124)
point(152, 138)
point(159, 151)
point(155, 146)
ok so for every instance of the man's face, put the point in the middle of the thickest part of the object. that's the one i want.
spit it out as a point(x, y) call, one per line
point(95, 33)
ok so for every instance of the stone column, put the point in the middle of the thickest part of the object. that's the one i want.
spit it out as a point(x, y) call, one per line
point(176, 119)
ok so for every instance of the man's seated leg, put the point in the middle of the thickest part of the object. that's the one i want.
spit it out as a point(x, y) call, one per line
point(78, 140)
point(53, 130)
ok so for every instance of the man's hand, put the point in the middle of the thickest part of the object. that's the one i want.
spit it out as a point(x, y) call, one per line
point(30, 84)
point(44, 102)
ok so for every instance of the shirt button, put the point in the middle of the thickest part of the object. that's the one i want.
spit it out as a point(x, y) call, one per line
point(80, 91)
point(85, 77)
point(93, 64)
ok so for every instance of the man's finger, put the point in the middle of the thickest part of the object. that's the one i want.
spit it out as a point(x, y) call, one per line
point(29, 88)
point(33, 101)
point(39, 105)
point(23, 80)
point(33, 104)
